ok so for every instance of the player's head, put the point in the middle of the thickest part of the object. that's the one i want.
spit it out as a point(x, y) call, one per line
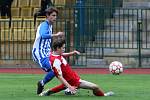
point(59, 45)
point(51, 14)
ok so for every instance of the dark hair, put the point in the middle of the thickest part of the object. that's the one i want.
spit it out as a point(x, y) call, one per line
point(50, 10)
point(58, 43)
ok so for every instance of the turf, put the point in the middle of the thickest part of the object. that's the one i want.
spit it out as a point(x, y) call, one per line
point(126, 87)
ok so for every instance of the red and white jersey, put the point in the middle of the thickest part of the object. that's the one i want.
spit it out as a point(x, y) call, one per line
point(61, 67)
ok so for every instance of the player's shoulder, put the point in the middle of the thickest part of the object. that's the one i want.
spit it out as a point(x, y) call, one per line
point(52, 56)
point(44, 23)
point(57, 62)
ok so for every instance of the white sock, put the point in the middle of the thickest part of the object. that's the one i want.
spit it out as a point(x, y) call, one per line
point(109, 93)
point(42, 83)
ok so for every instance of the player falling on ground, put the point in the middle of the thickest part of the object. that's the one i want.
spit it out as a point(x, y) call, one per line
point(66, 75)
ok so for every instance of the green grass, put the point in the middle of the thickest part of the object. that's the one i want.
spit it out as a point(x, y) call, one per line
point(126, 87)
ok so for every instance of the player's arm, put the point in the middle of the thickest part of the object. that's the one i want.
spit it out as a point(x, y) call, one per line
point(71, 53)
point(62, 80)
point(44, 31)
point(58, 34)
point(58, 73)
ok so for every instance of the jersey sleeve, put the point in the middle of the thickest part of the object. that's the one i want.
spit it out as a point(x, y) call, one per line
point(44, 30)
point(57, 67)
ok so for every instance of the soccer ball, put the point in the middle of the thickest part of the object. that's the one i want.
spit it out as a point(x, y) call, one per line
point(68, 92)
point(116, 67)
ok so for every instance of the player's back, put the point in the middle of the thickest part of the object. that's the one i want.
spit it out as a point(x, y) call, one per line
point(42, 45)
point(66, 69)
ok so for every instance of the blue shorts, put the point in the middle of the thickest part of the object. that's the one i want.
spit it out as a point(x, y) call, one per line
point(45, 64)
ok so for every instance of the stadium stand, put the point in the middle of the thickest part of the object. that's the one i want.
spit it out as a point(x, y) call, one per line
point(4, 23)
point(5, 34)
point(16, 23)
point(28, 23)
point(16, 41)
point(23, 3)
point(35, 3)
point(14, 3)
point(17, 34)
point(15, 12)
point(29, 34)
point(26, 12)
point(22, 23)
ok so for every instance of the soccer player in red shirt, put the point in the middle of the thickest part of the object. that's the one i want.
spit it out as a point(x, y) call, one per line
point(69, 78)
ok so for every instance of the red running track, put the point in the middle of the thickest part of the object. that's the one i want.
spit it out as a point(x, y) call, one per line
point(78, 70)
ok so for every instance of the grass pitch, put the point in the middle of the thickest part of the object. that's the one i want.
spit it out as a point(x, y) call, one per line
point(126, 87)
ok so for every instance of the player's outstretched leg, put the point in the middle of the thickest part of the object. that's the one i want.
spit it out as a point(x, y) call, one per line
point(40, 85)
point(96, 90)
point(53, 90)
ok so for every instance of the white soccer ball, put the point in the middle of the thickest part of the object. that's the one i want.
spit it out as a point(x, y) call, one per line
point(68, 92)
point(116, 67)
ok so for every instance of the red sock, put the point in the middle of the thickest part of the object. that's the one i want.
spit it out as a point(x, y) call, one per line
point(58, 88)
point(98, 93)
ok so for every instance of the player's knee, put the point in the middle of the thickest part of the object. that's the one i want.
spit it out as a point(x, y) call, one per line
point(95, 87)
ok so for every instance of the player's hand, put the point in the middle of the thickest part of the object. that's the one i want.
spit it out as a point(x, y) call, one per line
point(60, 33)
point(76, 52)
point(73, 89)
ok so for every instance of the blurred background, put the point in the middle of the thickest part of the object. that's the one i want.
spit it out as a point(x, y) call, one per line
point(102, 30)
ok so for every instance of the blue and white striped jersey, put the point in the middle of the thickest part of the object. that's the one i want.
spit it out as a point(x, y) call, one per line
point(42, 43)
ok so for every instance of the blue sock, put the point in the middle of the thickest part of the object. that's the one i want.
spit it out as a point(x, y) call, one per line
point(49, 76)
